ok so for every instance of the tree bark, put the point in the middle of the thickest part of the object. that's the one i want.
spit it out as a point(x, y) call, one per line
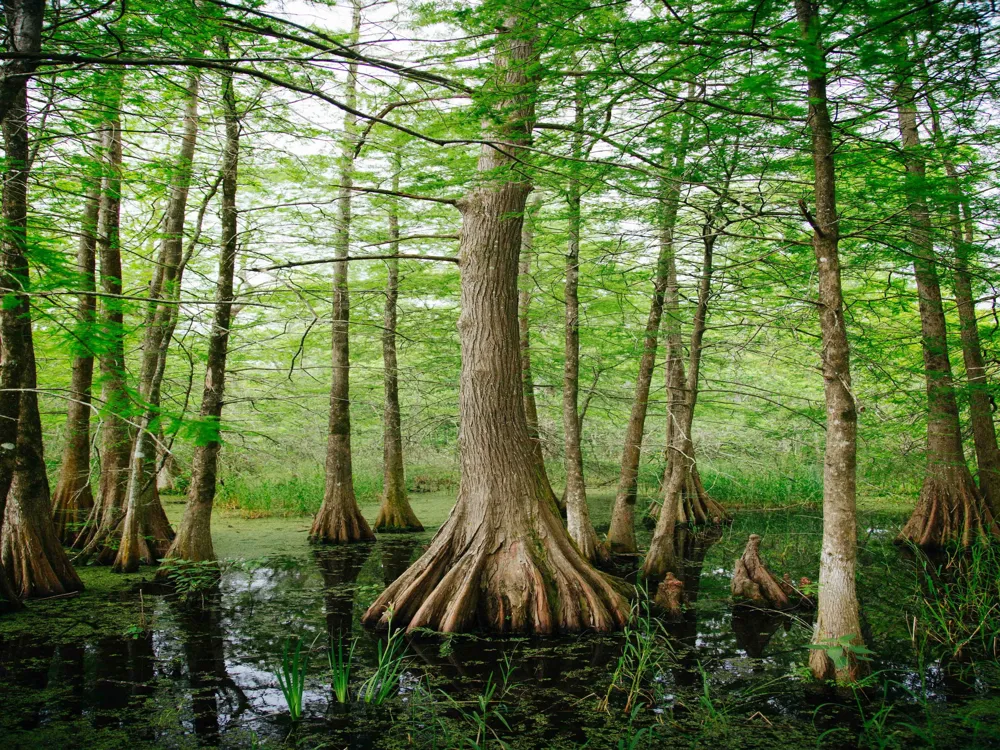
point(581, 529)
point(145, 532)
point(503, 560)
point(621, 534)
point(32, 555)
point(685, 500)
point(950, 508)
point(194, 534)
point(339, 519)
point(837, 619)
point(980, 409)
point(116, 404)
point(73, 499)
point(24, 29)
point(524, 337)
point(395, 513)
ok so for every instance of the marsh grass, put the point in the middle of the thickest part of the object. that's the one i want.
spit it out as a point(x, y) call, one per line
point(646, 646)
point(959, 603)
point(488, 709)
point(291, 675)
point(390, 665)
point(340, 668)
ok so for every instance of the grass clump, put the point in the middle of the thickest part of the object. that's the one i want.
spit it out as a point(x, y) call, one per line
point(384, 682)
point(340, 668)
point(291, 675)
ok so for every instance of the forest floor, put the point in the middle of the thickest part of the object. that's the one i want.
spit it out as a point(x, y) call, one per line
point(129, 663)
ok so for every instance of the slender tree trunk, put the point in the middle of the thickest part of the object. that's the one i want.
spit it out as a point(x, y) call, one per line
point(339, 519)
point(109, 506)
point(24, 31)
point(621, 534)
point(950, 508)
point(194, 534)
point(146, 534)
point(980, 410)
point(395, 513)
point(524, 337)
point(685, 500)
point(837, 620)
point(503, 560)
point(581, 530)
point(73, 499)
point(32, 555)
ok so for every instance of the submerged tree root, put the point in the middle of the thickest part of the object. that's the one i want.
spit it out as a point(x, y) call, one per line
point(532, 582)
point(950, 511)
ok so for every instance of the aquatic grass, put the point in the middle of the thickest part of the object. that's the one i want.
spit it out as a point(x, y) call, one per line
point(959, 606)
point(645, 644)
point(291, 676)
point(488, 706)
point(340, 668)
point(390, 665)
point(875, 731)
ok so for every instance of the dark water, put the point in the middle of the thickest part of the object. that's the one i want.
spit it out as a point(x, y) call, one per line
point(147, 669)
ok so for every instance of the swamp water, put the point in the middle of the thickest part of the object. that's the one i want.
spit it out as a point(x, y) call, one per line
point(130, 665)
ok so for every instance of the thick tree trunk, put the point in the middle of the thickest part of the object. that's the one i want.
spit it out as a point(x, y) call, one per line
point(73, 499)
point(524, 337)
point(32, 554)
point(581, 529)
point(194, 534)
point(837, 619)
point(395, 513)
point(502, 561)
point(950, 508)
point(339, 519)
point(24, 30)
point(145, 532)
point(109, 505)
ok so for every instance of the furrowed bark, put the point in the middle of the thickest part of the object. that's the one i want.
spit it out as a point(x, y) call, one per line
point(145, 532)
point(395, 513)
point(524, 334)
point(109, 505)
point(339, 519)
point(32, 555)
point(984, 434)
point(837, 621)
point(73, 499)
point(24, 29)
point(502, 561)
point(194, 534)
point(950, 508)
point(581, 529)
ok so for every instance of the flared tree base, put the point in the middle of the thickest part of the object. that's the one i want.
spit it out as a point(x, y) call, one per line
point(35, 561)
point(503, 580)
point(336, 524)
point(950, 511)
point(396, 516)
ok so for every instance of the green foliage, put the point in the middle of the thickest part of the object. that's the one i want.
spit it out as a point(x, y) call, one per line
point(291, 676)
point(340, 668)
point(959, 605)
point(384, 681)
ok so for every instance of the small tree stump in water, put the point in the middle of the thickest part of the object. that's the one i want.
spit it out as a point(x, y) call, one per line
point(668, 596)
point(754, 584)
